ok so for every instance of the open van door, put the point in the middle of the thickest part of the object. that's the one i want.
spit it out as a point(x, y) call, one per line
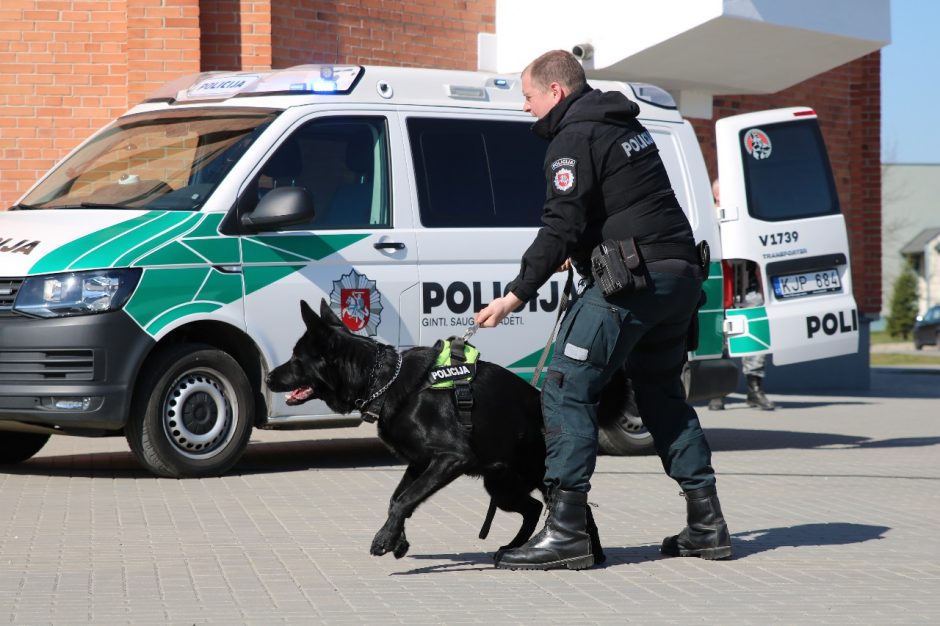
point(781, 221)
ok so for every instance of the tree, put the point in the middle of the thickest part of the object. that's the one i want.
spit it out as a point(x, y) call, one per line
point(903, 310)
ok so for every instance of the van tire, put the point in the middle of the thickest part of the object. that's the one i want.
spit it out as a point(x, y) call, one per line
point(192, 413)
point(16, 447)
point(621, 431)
point(625, 434)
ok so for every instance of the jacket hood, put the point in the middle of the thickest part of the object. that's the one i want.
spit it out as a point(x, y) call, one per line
point(591, 105)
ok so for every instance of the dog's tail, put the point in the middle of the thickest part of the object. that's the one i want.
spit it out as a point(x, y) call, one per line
point(488, 521)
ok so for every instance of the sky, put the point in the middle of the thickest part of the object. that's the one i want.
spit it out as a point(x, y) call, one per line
point(910, 84)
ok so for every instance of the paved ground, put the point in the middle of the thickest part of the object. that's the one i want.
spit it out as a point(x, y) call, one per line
point(833, 503)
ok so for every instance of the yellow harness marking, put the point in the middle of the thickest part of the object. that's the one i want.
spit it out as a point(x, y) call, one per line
point(444, 373)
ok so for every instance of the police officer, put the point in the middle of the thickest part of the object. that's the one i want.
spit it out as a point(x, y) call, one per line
point(606, 181)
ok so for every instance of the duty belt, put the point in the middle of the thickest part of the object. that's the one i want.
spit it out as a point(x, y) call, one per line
point(664, 251)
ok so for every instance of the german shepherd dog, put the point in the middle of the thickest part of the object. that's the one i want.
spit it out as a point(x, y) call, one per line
point(421, 425)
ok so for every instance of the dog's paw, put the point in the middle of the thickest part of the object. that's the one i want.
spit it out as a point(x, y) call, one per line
point(402, 548)
point(379, 545)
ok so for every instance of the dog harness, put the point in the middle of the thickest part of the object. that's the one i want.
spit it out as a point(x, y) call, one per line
point(454, 368)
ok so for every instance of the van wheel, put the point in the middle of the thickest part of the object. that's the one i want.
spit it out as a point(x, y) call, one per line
point(16, 447)
point(625, 436)
point(622, 431)
point(192, 413)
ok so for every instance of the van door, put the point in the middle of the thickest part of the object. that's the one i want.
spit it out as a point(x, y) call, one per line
point(479, 189)
point(359, 251)
point(782, 227)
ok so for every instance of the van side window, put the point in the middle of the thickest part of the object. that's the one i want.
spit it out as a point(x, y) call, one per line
point(786, 172)
point(477, 173)
point(343, 162)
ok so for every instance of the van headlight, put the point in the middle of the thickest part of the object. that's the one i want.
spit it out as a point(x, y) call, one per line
point(76, 293)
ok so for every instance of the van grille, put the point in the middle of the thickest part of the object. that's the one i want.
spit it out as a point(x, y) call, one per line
point(46, 365)
point(9, 287)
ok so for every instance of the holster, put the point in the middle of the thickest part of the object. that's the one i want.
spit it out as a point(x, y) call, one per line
point(617, 266)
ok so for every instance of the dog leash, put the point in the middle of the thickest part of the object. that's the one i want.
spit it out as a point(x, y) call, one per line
point(562, 306)
point(471, 330)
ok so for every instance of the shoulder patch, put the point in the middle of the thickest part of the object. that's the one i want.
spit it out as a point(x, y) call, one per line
point(563, 174)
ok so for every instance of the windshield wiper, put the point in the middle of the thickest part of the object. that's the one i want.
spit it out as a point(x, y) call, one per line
point(24, 207)
point(101, 205)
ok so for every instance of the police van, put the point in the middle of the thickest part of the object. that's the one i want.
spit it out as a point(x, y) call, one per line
point(152, 278)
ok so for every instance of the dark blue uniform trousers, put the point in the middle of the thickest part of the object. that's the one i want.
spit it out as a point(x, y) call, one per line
point(646, 332)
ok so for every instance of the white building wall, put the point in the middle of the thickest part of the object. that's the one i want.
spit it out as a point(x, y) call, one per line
point(702, 46)
point(910, 203)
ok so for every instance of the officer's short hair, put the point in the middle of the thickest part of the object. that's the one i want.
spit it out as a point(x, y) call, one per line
point(557, 66)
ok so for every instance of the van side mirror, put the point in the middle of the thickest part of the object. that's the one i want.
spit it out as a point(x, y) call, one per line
point(280, 207)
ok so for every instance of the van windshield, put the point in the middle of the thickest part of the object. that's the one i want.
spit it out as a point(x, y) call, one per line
point(160, 160)
point(787, 173)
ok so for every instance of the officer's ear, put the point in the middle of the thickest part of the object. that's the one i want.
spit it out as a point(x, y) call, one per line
point(558, 91)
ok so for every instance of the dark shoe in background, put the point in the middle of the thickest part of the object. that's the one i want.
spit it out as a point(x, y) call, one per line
point(716, 404)
point(755, 394)
point(706, 535)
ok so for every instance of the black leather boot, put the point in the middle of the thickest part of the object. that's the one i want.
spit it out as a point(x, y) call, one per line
point(755, 394)
point(706, 535)
point(563, 542)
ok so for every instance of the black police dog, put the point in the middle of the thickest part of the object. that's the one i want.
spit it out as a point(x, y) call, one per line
point(421, 425)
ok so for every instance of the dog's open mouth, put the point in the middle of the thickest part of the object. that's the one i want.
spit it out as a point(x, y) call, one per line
point(299, 396)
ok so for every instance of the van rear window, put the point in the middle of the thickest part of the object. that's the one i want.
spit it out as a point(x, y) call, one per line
point(477, 173)
point(786, 172)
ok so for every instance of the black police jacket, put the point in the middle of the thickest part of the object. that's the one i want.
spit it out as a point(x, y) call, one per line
point(605, 181)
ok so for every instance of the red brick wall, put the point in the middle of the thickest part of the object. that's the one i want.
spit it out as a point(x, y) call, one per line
point(63, 73)
point(416, 33)
point(236, 34)
point(67, 67)
point(847, 100)
point(162, 44)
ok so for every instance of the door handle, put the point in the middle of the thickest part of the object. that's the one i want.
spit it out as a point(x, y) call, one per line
point(389, 245)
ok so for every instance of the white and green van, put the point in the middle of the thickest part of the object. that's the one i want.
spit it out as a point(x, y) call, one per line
point(151, 279)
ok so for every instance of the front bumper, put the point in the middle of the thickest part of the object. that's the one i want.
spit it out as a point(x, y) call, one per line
point(72, 373)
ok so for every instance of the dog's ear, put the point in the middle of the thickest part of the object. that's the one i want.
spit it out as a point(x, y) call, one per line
point(310, 318)
point(328, 316)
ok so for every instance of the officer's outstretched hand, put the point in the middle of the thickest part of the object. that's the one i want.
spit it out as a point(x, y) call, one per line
point(495, 311)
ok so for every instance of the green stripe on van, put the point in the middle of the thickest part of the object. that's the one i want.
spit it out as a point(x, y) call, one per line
point(162, 289)
point(121, 251)
point(711, 315)
point(178, 251)
point(310, 247)
point(59, 259)
point(263, 275)
point(757, 336)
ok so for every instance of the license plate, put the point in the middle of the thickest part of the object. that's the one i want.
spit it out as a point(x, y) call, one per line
point(806, 284)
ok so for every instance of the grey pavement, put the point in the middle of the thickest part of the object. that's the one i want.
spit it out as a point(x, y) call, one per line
point(833, 503)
